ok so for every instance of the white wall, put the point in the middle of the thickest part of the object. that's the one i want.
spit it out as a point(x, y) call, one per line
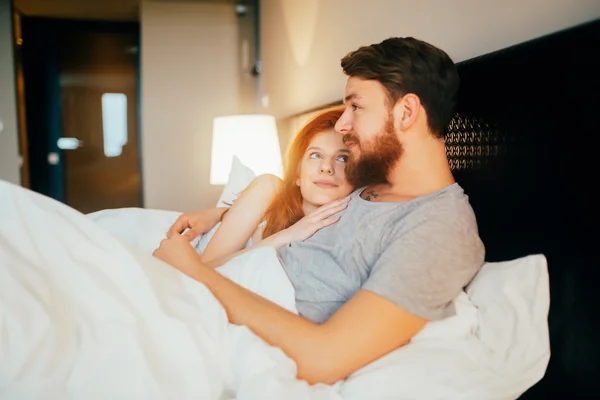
point(302, 42)
point(10, 163)
point(189, 75)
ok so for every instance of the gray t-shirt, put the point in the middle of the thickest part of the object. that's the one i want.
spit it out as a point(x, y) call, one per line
point(418, 254)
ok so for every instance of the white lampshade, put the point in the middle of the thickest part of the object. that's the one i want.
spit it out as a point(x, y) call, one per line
point(252, 138)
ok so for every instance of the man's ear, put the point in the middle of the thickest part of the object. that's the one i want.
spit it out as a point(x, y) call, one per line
point(406, 111)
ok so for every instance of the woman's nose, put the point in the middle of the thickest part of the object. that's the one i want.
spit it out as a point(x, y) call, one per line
point(326, 168)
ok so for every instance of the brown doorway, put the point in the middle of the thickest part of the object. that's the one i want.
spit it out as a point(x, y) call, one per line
point(89, 158)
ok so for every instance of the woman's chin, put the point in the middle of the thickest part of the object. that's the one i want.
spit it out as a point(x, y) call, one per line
point(322, 200)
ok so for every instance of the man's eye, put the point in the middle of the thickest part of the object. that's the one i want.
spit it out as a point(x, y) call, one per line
point(355, 107)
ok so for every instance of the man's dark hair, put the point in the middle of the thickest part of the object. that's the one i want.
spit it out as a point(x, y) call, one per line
point(408, 65)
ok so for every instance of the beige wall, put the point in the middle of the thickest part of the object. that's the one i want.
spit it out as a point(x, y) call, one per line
point(10, 160)
point(302, 41)
point(189, 75)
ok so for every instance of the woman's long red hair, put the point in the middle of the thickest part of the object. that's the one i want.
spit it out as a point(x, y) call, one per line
point(286, 208)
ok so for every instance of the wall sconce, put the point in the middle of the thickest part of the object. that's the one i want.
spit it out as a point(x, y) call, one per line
point(253, 138)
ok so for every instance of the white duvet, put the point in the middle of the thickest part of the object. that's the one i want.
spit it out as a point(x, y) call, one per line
point(87, 313)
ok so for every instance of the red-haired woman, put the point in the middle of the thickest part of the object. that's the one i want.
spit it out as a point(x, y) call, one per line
point(273, 212)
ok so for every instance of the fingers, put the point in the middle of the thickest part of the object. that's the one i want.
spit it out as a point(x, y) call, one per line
point(331, 210)
point(336, 203)
point(181, 224)
point(322, 224)
point(328, 221)
point(333, 204)
point(179, 228)
point(191, 234)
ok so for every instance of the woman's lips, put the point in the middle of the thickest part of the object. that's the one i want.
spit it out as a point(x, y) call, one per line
point(325, 184)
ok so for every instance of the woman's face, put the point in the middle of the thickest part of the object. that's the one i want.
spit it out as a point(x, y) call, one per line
point(323, 170)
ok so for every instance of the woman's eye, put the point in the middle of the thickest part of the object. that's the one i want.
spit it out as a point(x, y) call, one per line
point(343, 159)
point(314, 155)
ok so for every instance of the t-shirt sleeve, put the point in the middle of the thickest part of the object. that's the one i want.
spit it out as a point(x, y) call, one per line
point(424, 268)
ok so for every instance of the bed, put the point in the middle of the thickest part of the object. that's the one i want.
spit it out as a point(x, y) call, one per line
point(86, 312)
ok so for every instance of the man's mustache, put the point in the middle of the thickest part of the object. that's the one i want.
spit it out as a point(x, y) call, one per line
point(348, 137)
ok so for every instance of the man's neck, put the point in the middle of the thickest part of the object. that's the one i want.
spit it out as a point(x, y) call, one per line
point(422, 169)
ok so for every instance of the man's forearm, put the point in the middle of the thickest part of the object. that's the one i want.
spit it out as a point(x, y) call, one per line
point(299, 338)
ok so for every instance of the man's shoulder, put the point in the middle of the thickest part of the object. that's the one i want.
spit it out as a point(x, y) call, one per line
point(444, 216)
point(446, 211)
point(449, 221)
point(450, 203)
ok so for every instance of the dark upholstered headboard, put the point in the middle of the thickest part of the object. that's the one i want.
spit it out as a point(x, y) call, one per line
point(523, 147)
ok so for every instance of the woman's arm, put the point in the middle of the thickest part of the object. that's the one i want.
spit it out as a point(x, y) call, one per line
point(301, 230)
point(272, 241)
point(243, 218)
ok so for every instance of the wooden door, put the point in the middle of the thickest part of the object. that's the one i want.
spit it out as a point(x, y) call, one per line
point(99, 102)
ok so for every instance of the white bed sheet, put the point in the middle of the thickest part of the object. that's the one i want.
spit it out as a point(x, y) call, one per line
point(89, 313)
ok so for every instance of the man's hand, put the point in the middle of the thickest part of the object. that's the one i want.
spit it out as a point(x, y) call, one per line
point(177, 252)
point(197, 222)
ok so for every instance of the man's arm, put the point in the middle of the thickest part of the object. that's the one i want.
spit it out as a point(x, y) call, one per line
point(414, 280)
point(353, 337)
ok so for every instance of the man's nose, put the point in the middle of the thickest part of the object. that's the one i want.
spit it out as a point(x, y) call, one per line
point(343, 125)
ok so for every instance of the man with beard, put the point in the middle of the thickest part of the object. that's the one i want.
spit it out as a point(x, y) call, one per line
point(406, 245)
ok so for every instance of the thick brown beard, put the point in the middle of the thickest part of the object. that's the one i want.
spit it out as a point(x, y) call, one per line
point(375, 162)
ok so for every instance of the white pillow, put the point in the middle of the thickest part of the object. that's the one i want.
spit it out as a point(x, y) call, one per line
point(240, 177)
point(513, 300)
point(496, 347)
